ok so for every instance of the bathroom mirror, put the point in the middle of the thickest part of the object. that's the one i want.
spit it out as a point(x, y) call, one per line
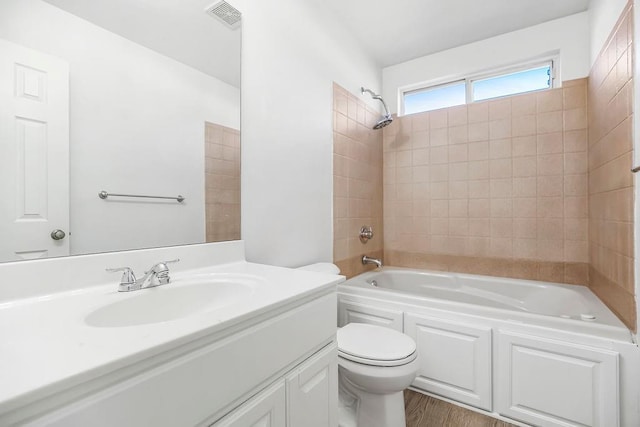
point(130, 97)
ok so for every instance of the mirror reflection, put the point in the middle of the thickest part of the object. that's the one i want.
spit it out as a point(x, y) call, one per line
point(129, 97)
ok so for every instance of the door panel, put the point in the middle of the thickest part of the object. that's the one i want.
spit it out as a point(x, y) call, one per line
point(312, 391)
point(267, 409)
point(551, 383)
point(454, 359)
point(34, 153)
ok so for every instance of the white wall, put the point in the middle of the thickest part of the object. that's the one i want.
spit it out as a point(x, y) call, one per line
point(291, 55)
point(137, 126)
point(603, 15)
point(567, 35)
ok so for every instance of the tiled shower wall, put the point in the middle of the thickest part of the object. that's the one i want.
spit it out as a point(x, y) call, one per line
point(610, 181)
point(222, 183)
point(357, 181)
point(529, 186)
point(496, 187)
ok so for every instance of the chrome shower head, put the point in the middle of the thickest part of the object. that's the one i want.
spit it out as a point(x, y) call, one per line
point(386, 119)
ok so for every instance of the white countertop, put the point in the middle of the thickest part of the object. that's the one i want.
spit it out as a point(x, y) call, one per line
point(47, 347)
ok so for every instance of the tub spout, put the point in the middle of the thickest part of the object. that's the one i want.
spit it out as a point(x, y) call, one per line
point(367, 260)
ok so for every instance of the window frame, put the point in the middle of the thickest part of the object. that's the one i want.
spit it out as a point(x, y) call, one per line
point(437, 86)
point(469, 79)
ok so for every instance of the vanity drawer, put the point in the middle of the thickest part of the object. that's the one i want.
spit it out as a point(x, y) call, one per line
point(197, 387)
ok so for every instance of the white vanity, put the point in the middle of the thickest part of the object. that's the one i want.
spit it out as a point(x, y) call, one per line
point(226, 343)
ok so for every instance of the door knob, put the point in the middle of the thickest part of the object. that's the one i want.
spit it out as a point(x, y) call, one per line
point(58, 234)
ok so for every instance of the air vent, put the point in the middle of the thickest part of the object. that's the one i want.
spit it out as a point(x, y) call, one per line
point(225, 13)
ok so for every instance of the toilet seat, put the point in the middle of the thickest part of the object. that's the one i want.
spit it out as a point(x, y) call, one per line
point(375, 345)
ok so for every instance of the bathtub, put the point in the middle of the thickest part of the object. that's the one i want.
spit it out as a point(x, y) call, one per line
point(487, 342)
point(575, 307)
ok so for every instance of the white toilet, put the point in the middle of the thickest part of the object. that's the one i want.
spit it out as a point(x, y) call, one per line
point(375, 365)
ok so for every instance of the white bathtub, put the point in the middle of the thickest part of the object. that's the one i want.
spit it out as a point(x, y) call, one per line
point(576, 307)
point(512, 348)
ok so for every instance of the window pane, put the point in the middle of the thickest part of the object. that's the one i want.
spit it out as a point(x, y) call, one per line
point(434, 98)
point(510, 84)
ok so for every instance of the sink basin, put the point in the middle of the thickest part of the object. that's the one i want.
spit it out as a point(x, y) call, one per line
point(171, 302)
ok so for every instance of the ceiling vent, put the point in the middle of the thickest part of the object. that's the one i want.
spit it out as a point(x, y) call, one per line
point(225, 13)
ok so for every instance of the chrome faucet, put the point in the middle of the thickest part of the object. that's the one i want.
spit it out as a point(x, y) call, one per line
point(157, 275)
point(367, 260)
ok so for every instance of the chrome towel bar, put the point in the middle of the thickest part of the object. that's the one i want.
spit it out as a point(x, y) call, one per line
point(103, 195)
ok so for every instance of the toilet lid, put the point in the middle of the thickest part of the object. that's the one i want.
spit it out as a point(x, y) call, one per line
point(375, 345)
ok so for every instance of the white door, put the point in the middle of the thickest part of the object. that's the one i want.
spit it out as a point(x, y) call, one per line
point(312, 391)
point(34, 153)
point(267, 409)
point(552, 383)
point(454, 359)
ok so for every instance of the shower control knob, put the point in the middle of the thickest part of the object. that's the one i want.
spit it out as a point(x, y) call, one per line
point(366, 233)
point(58, 234)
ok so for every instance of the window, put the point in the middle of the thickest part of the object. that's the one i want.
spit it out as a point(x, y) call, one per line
point(505, 82)
point(513, 83)
point(435, 97)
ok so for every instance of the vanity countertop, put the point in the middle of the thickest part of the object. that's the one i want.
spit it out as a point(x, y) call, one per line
point(47, 345)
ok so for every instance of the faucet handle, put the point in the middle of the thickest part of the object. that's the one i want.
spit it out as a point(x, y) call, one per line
point(128, 277)
point(160, 272)
point(161, 266)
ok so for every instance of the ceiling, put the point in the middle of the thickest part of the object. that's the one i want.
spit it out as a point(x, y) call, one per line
point(399, 30)
point(391, 31)
point(179, 29)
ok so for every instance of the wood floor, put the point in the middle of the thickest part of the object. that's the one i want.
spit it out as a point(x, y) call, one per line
point(425, 411)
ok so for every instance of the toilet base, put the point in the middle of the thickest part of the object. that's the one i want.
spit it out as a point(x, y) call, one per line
point(362, 409)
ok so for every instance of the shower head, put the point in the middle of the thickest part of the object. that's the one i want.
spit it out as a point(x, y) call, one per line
point(386, 119)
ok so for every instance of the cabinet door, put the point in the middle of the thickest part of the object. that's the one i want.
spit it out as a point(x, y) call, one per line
point(352, 312)
point(454, 359)
point(312, 391)
point(551, 383)
point(266, 409)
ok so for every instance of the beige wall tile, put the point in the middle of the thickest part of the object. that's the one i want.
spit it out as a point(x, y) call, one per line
point(478, 131)
point(550, 122)
point(458, 134)
point(438, 136)
point(523, 105)
point(533, 186)
point(524, 146)
point(458, 153)
point(550, 164)
point(575, 141)
point(549, 186)
point(524, 125)
point(500, 109)
point(222, 183)
point(525, 207)
point(607, 209)
point(359, 168)
point(438, 119)
point(550, 143)
point(574, 97)
point(457, 116)
point(479, 208)
point(549, 100)
point(499, 129)
point(525, 186)
point(525, 166)
point(478, 112)
point(525, 228)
